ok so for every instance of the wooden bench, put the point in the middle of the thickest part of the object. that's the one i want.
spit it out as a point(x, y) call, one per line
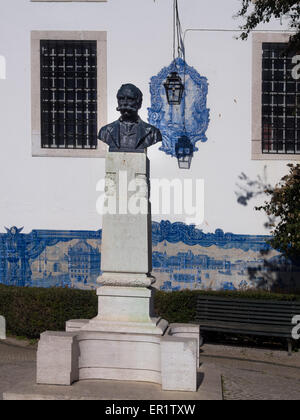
point(247, 316)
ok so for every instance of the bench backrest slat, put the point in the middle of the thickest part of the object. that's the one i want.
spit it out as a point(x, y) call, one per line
point(244, 308)
point(246, 311)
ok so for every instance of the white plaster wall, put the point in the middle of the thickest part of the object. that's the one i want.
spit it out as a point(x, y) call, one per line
point(60, 193)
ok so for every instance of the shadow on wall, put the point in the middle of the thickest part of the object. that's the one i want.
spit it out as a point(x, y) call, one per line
point(276, 274)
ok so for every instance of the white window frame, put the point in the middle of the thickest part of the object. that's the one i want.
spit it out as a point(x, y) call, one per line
point(101, 38)
point(258, 38)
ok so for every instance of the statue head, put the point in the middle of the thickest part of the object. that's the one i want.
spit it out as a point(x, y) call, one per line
point(130, 100)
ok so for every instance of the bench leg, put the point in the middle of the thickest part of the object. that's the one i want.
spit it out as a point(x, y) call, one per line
point(289, 347)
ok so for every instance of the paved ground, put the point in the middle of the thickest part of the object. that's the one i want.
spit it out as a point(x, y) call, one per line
point(248, 374)
point(17, 361)
point(255, 374)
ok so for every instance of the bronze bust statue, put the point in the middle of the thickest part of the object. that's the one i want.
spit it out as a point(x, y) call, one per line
point(129, 133)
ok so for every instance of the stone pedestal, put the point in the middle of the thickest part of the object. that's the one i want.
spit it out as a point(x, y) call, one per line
point(178, 360)
point(125, 296)
point(79, 354)
point(57, 358)
point(126, 249)
point(126, 309)
point(125, 341)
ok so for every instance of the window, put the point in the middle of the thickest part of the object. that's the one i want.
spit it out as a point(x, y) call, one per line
point(276, 99)
point(68, 93)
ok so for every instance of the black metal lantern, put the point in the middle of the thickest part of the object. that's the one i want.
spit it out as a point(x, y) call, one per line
point(184, 150)
point(174, 88)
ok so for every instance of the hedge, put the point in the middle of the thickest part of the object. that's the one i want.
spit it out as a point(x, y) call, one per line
point(30, 311)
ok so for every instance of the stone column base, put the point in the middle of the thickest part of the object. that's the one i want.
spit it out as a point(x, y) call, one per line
point(126, 279)
point(125, 309)
point(163, 359)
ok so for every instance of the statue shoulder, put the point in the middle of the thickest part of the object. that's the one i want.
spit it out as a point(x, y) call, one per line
point(106, 129)
point(156, 134)
point(151, 127)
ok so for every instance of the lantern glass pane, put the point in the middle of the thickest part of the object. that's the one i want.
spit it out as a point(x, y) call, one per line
point(174, 89)
point(185, 162)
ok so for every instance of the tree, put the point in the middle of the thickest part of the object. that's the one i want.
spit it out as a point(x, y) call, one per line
point(283, 210)
point(262, 11)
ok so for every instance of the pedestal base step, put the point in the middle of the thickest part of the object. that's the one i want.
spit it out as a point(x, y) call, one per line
point(154, 326)
point(170, 360)
point(208, 388)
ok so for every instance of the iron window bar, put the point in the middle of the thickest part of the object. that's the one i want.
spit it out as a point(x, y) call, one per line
point(280, 101)
point(68, 94)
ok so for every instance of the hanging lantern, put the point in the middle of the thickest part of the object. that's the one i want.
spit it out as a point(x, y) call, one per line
point(174, 88)
point(184, 150)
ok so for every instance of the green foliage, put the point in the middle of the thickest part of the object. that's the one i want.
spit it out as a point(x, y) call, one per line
point(30, 311)
point(249, 294)
point(264, 10)
point(176, 306)
point(283, 210)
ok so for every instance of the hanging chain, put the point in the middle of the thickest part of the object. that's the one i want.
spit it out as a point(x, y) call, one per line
point(179, 32)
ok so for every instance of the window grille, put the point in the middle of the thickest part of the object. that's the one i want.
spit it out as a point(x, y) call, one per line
point(280, 101)
point(68, 94)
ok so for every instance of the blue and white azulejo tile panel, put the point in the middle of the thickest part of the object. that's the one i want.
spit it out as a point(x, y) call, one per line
point(183, 257)
point(190, 118)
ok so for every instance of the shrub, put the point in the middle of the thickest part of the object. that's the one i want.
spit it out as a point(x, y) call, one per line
point(30, 311)
point(176, 306)
point(283, 209)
